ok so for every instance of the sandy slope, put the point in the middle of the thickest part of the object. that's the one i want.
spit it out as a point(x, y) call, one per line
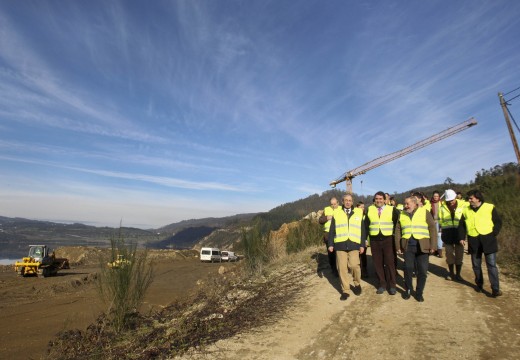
point(454, 322)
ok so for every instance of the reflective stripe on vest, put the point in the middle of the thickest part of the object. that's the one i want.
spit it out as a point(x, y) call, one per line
point(445, 220)
point(327, 211)
point(416, 226)
point(383, 223)
point(348, 228)
point(479, 222)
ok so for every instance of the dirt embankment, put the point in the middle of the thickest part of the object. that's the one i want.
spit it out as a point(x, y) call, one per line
point(34, 309)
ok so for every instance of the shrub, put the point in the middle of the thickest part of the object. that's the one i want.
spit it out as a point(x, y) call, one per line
point(307, 233)
point(123, 286)
point(255, 245)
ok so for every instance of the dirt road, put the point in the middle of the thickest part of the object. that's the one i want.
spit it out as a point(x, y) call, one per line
point(454, 321)
point(33, 310)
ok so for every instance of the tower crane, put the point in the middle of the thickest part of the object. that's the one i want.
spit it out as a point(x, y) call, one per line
point(349, 175)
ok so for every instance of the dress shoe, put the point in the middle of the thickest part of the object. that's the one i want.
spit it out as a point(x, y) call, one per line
point(478, 288)
point(496, 293)
point(357, 290)
point(392, 291)
point(406, 295)
point(458, 278)
point(419, 298)
point(344, 297)
point(380, 291)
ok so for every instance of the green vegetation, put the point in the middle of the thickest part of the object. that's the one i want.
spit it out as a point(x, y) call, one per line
point(501, 186)
point(255, 246)
point(307, 233)
point(123, 281)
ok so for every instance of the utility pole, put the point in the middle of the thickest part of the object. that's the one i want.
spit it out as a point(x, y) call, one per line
point(509, 127)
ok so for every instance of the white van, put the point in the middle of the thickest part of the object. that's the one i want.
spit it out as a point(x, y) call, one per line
point(210, 254)
point(228, 256)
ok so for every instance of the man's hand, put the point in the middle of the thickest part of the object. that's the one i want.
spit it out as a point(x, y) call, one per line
point(331, 248)
point(361, 250)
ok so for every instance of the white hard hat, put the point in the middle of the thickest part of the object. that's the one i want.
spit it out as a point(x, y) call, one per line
point(449, 195)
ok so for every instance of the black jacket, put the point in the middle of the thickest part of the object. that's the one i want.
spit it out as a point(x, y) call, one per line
point(346, 245)
point(488, 243)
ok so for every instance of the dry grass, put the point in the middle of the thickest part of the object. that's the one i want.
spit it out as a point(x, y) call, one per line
point(224, 305)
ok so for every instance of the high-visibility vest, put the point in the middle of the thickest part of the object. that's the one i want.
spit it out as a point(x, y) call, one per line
point(427, 205)
point(348, 228)
point(383, 223)
point(400, 207)
point(445, 220)
point(416, 226)
point(327, 211)
point(479, 222)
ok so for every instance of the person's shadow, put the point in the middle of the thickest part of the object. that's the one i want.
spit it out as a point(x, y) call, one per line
point(323, 270)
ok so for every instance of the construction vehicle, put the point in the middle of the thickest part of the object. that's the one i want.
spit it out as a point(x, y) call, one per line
point(40, 261)
point(349, 175)
point(119, 262)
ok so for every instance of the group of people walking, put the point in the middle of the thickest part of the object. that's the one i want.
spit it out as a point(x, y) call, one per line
point(411, 231)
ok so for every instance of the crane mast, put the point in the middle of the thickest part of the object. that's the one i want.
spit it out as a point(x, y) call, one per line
point(349, 175)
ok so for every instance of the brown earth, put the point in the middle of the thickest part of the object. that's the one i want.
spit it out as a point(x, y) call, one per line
point(453, 322)
point(34, 309)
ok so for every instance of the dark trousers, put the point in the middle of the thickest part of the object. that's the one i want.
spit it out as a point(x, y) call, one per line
point(491, 263)
point(383, 257)
point(363, 260)
point(331, 255)
point(413, 256)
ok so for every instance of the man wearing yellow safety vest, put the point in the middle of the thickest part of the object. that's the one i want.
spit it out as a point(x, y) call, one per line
point(481, 224)
point(450, 213)
point(380, 222)
point(325, 220)
point(416, 238)
point(347, 237)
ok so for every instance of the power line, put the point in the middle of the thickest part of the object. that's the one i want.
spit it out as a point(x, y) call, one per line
point(511, 91)
point(514, 121)
point(513, 98)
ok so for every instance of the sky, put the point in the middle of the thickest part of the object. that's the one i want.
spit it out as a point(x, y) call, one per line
point(146, 113)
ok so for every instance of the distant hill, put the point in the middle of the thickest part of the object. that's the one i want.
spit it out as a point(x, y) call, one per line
point(227, 221)
point(225, 232)
point(16, 234)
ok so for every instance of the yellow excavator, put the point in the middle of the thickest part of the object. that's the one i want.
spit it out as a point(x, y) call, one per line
point(119, 262)
point(40, 261)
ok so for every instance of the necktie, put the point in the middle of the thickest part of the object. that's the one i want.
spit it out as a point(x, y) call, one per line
point(379, 210)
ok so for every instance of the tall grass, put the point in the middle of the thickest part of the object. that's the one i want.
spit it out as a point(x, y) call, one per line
point(307, 233)
point(255, 244)
point(123, 287)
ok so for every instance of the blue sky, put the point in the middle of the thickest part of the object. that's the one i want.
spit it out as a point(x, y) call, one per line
point(154, 112)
